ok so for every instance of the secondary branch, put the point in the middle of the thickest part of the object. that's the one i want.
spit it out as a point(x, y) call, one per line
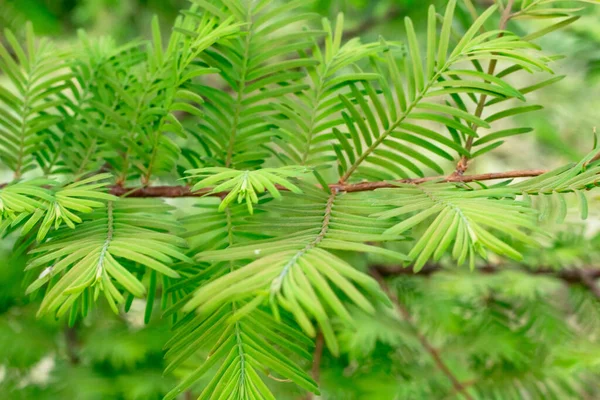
point(582, 276)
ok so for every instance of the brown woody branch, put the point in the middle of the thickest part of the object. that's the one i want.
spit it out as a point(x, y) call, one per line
point(185, 191)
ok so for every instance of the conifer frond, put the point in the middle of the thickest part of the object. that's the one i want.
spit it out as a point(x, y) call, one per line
point(90, 109)
point(524, 315)
point(547, 192)
point(246, 185)
point(42, 204)
point(104, 254)
point(150, 98)
point(258, 67)
point(295, 269)
point(247, 347)
point(467, 220)
point(254, 101)
point(29, 112)
point(173, 71)
point(306, 118)
point(246, 342)
point(375, 133)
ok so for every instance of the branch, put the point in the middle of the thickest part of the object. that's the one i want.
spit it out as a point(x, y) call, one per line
point(72, 345)
point(584, 276)
point(435, 353)
point(185, 191)
point(588, 279)
point(316, 367)
point(316, 364)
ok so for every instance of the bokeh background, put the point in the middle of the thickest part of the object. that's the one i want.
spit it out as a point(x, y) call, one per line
point(118, 357)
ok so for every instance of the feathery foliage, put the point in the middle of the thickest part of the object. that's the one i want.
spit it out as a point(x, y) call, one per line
point(348, 156)
point(78, 268)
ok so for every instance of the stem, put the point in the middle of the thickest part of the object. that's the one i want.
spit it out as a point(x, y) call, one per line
point(463, 163)
point(185, 191)
point(433, 352)
point(316, 367)
point(310, 133)
point(237, 329)
point(277, 282)
point(24, 115)
point(72, 344)
point(109, 238)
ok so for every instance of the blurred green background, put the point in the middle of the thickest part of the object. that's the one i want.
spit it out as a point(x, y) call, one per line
point(117, 357)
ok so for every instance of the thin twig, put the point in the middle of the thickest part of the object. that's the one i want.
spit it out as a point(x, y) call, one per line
point(316, 365)
point(318, 355)
point(185, 191)
point(435, 353)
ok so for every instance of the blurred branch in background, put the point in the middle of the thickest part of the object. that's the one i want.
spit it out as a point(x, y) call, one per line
point(585, 276)
point(429, 348)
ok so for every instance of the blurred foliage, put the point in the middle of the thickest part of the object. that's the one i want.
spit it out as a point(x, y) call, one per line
point(103, 357)
point(510, 324)
point(123, 19)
